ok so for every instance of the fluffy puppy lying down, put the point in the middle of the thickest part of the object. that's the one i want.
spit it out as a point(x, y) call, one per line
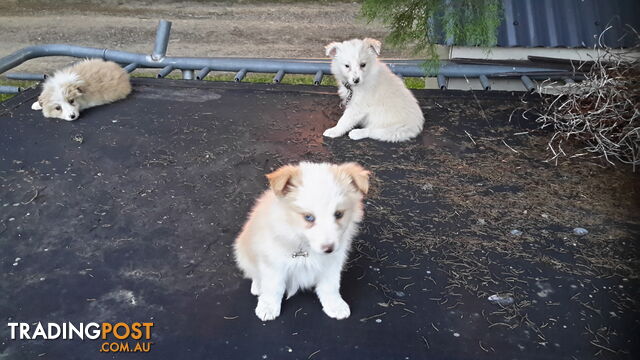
point(83, 85)
point(299, 233)
point(375, 99)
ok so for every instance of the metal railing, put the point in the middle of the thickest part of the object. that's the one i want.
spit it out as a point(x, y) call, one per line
point(280, 67)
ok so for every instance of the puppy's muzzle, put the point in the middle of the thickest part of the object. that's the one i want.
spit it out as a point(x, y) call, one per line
point(328, 249)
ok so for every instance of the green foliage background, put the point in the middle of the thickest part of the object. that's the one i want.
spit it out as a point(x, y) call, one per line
point(421, 24)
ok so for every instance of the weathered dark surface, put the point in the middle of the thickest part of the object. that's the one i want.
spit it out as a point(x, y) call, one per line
point(138, 204)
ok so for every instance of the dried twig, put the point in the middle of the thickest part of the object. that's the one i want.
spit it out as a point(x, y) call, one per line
point(602, 112)
point(469, 135)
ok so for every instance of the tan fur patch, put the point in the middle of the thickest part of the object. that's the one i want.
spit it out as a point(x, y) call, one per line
point(104, 81)
point(73, 91)
point(353, 173)
point(283, 180)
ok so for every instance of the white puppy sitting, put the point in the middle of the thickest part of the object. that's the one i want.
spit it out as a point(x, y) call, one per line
point(374, 97)
point(299, 233)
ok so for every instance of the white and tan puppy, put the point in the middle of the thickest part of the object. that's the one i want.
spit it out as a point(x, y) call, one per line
point(299, 233)
point(83, 85)
point(374, 98)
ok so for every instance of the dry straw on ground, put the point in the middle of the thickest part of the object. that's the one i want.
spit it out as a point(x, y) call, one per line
point(602, 112)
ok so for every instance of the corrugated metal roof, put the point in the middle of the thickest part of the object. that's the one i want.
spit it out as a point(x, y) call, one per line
point(568, 23)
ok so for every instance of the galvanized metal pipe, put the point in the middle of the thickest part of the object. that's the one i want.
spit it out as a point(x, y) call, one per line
point(165, 71)
point(317, 79)
point(442, 82)
point(279, 76)
point(9, 89)
point(528, 83)
point(447, 69)
point(240, 75)
point(162, 40)
point(26, 76)
point(187, 74)
point(131, 67)
point(319, 67)
point(203, 73)
point(484, 81)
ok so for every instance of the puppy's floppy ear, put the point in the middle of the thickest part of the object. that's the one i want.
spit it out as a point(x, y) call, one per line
point(373, 44)
point(359, 175)
point(283, 180)
point(331, 49)
point(76, 89)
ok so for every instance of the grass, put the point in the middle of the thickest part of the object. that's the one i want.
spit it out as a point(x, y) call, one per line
point(291, 79)
point(18, 83)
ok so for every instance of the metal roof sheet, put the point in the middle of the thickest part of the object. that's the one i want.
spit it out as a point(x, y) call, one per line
point(568, 23)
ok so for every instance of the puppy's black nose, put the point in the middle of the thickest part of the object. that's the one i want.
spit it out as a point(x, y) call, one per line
point(327, 249)
point(72, 116)
point(357, 80)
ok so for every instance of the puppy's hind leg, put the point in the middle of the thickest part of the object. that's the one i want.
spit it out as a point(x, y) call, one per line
point(357, 134)
point(393, 133)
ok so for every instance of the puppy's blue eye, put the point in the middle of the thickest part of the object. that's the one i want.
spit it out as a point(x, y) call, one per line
point(338, 214)
point(347, 66)
point(363, 65)
point(309, 218)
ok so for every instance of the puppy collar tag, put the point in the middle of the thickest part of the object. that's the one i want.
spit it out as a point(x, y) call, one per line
point(299, 253)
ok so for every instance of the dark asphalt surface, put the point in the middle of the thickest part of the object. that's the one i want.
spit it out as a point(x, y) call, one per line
point(129, 214)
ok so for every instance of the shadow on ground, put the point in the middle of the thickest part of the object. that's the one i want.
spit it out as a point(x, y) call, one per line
point(129, 214)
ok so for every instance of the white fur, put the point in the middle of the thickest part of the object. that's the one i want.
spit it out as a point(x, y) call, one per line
point(276, 230)
point(380, 104)
point(60, 81)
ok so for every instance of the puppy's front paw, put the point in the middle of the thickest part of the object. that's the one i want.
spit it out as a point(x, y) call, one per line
point(255, 288)
point(357, 134)
point(333, 132)
point(36, 106)
point(267, 310)
point(337, 308)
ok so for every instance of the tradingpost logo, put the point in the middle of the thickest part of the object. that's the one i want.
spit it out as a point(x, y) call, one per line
point(115, 337)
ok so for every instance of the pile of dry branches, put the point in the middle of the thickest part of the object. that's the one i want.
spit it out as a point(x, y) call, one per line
point(602, 112)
